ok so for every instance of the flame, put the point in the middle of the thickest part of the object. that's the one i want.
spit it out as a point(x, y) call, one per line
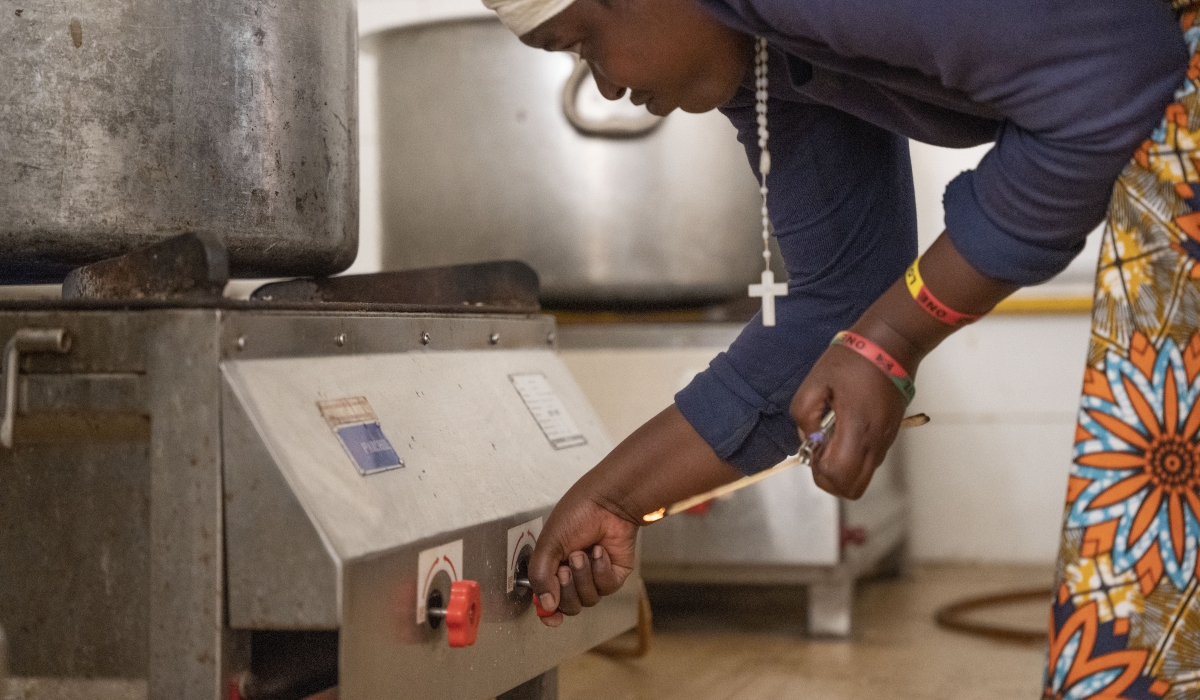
point(656, 515)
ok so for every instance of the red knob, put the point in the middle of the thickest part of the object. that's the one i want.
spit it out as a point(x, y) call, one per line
point(463, 613)
point(854, 535)
point(541, 612)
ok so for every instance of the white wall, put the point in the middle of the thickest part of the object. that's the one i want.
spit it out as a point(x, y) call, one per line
point(988, 476)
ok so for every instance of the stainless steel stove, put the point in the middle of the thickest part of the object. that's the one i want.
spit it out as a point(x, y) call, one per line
point(337, 481)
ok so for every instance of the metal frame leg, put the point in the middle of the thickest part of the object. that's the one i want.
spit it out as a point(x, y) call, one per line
point(192, 655)
point(830, 608)
point(544, 687)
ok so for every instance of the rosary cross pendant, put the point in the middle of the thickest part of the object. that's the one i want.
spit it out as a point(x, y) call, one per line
point(768, 290)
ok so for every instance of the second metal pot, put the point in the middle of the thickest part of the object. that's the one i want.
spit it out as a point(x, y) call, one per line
point(491, 150)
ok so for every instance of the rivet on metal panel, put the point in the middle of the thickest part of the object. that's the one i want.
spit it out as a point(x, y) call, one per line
point(340, 339)
point(494, 338)
point(241, 342)
point(425, 338)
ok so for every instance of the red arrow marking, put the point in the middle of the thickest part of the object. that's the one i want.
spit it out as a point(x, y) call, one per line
point(512, 559)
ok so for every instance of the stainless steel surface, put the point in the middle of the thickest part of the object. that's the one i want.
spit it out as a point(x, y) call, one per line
point(272, 335)
point(281, 575)
point(476, 465)
point(113, 541)
point(76, 567)
point(87, 393)
point(75, 511)
point(830, 608)
point(479, 163)
point(25, 340)
point(128, 121)
point(502, 467)
point(75, 689)
point(191, 652)
point(544, 687)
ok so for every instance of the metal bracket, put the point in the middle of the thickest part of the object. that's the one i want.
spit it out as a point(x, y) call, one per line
point(506, 286)
point(188, 266)
point(25, 340)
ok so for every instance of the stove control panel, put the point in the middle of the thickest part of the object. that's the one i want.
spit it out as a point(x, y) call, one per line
point(397, 495)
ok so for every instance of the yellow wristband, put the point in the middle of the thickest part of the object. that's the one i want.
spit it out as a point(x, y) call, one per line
point(927, 301)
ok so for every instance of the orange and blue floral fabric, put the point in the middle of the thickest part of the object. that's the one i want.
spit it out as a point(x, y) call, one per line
point(1125, 621)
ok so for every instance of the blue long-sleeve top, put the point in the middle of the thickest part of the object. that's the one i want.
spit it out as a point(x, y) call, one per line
point(1067, 90)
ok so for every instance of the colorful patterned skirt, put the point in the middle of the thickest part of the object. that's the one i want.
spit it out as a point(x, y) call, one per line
point(1126, 616)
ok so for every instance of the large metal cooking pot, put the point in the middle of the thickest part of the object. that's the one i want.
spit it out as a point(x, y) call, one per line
point(124, 122)
point(489, 151)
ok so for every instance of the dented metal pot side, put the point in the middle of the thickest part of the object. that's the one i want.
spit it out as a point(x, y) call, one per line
point(126, 122)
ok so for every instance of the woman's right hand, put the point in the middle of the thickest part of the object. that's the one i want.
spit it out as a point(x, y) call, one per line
point(585, 552)
point(587, 546)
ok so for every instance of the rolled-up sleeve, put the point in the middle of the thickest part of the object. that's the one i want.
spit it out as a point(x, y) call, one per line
point(1074, 117)
point(842, 207)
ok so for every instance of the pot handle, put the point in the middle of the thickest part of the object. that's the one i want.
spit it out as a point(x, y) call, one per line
point(613, 128)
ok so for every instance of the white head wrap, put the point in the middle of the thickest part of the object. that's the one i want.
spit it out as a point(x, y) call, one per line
point(523, 16)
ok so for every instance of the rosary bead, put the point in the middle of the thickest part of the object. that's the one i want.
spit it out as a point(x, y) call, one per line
point(768, 290)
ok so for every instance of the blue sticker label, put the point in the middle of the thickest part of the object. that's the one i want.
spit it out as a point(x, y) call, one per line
point(369, 447)
point(357, 426)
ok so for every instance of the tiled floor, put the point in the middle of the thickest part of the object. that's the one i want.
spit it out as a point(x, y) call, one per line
point(757, 652)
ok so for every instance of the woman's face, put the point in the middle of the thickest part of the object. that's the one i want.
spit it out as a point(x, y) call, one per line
point(670, 54)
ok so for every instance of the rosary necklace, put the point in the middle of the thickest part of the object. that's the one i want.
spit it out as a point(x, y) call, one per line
point(768, 289)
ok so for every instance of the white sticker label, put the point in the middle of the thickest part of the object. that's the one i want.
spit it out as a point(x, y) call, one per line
point(519, 537)
point(448, 558)
point(548, 411)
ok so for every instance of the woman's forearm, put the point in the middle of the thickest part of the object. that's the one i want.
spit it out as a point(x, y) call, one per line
point(905, 330)
point(662, 462)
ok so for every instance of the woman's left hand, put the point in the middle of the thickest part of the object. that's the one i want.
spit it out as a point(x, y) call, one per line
point(869, 409)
